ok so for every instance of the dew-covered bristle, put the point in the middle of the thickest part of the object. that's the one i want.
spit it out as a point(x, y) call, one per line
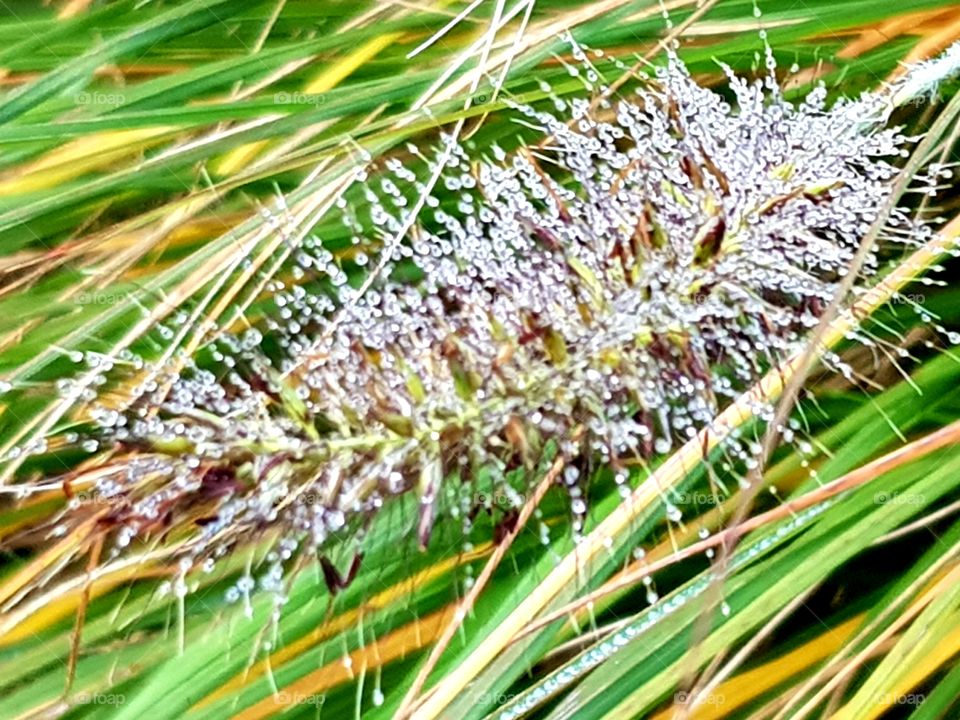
point(603, 293)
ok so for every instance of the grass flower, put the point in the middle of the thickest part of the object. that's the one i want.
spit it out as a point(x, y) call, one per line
point(604, 292)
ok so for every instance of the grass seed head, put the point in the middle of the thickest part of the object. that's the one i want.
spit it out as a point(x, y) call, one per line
point(625, 277)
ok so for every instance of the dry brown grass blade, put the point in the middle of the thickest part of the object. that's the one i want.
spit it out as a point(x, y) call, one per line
point(934, 42)
point(96, 546)
point(870, 38)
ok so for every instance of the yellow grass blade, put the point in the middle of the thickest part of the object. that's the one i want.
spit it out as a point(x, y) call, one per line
point(78, 157)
